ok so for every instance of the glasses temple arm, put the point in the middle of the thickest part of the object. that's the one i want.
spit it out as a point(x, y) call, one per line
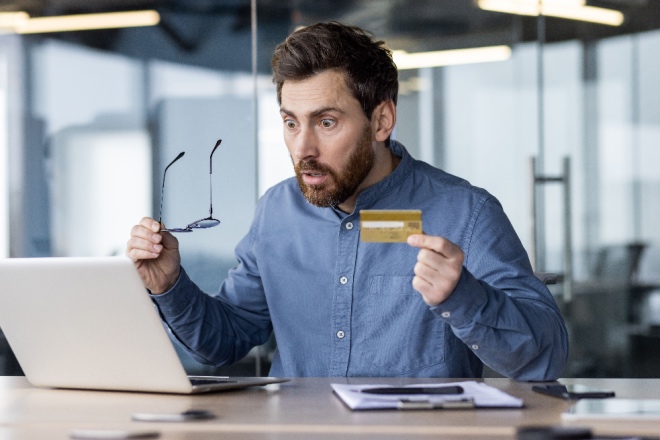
point(162, 187)
point(217, 144)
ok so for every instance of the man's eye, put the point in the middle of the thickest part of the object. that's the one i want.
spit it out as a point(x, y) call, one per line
point(290, 124)
point(327, 123)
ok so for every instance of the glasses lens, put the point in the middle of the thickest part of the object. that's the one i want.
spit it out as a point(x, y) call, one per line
point(204, 223)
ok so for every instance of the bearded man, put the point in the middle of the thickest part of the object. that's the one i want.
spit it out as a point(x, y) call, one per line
point(458, 296)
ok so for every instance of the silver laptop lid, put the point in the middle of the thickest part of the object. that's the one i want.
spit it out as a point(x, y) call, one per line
point(86, 323)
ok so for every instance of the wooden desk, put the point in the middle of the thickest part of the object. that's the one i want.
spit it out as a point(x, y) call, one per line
point(301, 409)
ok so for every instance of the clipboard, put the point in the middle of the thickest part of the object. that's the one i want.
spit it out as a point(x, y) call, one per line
point(475, 395)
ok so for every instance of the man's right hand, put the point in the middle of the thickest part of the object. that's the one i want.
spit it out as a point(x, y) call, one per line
point(155, 254)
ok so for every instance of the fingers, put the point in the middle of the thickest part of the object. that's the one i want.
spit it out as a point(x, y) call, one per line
point(438, 244)
point(436, 284)
point(155, 254)
point(438, 268)
point(138, 249)
point(145, 241)
point(150, 223)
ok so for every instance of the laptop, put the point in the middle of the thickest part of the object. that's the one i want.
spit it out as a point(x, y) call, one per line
point(88, 323)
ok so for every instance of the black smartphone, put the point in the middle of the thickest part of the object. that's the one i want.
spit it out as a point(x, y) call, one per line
point(572, 391)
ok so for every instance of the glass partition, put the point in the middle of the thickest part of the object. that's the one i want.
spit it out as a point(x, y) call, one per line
point(101, 125)
point(570, 93)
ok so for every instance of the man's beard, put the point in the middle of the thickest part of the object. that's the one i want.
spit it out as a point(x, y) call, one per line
point(342, 183)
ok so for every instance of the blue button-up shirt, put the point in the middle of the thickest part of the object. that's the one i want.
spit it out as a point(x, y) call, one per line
point(342, 307)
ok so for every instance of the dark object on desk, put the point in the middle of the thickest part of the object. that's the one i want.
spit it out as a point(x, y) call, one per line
point(174, 417)
point(552, 433)
point(466, 403)
point(453, 389)
point(571, 392)
point(110, 434)
point(567, 433)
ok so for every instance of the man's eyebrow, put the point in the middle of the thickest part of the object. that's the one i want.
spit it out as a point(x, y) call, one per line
point(286, 112)
point(315, 113)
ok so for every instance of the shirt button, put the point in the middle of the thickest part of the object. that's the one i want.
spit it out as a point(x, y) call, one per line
point(343, 280)
point(340, 334)
point(475, 347)
point(349, 225)
point(445, 314)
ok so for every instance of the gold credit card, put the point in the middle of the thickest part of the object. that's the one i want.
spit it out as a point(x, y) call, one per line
point(389, 225)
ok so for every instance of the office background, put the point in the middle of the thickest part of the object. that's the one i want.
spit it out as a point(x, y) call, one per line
point(90, 119)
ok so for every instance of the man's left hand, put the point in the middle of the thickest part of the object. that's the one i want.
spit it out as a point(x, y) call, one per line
point(438, 268)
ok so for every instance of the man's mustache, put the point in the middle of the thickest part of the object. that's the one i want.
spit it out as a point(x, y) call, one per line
point(313, 165)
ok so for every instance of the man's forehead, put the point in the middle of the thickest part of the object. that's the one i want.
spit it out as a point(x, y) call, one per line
point(324, 90)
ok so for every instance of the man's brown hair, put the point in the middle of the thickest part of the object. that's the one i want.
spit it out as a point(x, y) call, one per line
point(367, 64)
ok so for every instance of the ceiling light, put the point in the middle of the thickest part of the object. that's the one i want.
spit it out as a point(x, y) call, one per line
point(81, 22)
point(571, 9)
point(417, 60)
point(9, 20)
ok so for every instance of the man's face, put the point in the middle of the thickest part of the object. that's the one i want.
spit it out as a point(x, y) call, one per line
point(342, 182)
point(328, 137)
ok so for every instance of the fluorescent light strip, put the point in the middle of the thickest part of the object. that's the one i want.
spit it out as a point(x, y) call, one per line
point(570, 9)
point(81, 22)
point(591, 14)
point(417, 60)
point(8, 20)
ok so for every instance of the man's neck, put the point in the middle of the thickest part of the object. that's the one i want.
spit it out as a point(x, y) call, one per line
point(386, 165)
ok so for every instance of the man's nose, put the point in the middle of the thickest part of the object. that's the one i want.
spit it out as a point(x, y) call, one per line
point(305, 145)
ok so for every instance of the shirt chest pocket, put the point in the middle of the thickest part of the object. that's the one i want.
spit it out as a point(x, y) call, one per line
point(402, 334)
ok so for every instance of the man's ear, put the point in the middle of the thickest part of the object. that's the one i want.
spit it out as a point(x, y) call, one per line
point(383, 119)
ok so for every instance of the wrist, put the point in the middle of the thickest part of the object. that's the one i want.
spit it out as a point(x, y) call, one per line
point(167, 285)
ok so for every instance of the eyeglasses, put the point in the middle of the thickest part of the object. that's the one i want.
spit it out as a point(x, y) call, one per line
point(207, 222)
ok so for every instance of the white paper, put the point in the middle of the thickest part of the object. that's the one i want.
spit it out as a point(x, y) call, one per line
point(483, 396)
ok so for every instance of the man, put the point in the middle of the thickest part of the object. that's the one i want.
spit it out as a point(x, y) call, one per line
point(460, 295)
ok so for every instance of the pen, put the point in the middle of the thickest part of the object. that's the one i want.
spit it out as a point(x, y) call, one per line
point(452, 389)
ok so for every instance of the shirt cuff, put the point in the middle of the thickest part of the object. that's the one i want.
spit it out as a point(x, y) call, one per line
point(468, 297)
point(176, 300)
